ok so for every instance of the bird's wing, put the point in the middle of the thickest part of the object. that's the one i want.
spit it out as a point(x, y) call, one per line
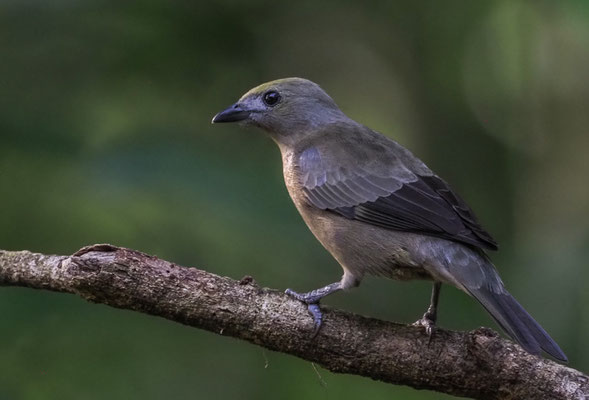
point(390, 195)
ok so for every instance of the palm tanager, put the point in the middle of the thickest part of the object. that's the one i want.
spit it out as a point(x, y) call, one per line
point(377, 208)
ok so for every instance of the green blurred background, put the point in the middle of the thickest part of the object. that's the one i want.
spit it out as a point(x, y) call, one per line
point(105, 110)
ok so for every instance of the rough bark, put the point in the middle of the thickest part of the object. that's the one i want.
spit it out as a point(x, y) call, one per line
point(477, 364)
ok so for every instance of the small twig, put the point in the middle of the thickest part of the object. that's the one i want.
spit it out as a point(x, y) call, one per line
point(321, 381)
point(266, 361)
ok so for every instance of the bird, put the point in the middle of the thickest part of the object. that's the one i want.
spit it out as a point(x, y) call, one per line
point(377, 208)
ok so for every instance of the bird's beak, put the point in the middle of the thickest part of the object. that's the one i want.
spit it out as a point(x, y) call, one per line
point(233, 113)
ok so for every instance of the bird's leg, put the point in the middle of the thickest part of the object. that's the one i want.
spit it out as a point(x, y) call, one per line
point(428, 321)
point(312, 300)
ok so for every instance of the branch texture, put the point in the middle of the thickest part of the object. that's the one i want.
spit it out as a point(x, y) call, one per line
point(477, 364)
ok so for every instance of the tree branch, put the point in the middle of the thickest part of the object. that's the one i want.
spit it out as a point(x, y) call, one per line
point(476, 364)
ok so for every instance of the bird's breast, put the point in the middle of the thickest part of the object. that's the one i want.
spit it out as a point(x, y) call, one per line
point(292, 178)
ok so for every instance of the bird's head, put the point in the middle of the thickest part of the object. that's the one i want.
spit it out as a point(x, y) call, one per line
point(285, 108)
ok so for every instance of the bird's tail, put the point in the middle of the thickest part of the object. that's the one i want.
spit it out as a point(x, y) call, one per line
point(516, 322)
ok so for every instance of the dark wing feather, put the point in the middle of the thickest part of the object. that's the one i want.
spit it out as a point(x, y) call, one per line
point(413, 203)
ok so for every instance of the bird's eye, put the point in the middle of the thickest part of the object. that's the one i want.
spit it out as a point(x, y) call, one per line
point(271, 98)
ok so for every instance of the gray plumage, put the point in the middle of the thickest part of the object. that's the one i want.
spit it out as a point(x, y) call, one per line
point(377, 208)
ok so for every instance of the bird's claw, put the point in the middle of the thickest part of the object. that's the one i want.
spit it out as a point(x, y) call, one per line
point(428, 323)
point(293, 294)
point(317, 317)
point(312, 303)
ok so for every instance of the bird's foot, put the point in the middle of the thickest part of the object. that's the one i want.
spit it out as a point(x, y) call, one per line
point(428, 321)
point(312, 302)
